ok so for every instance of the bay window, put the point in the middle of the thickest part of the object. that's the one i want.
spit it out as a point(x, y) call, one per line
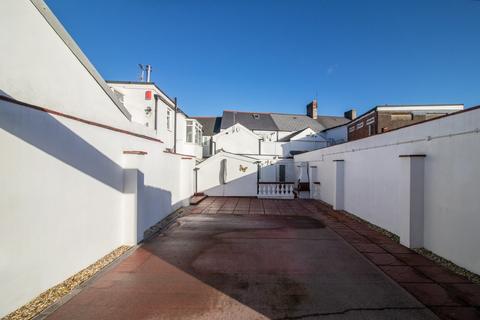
point(194, 132)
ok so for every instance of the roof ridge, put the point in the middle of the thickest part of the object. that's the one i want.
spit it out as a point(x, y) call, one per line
point(258, 112)
point(206, 117)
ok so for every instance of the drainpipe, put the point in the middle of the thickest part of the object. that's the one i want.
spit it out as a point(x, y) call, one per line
point(156, 96)
point(175, 128)
point(258, 176)
point(196, 180)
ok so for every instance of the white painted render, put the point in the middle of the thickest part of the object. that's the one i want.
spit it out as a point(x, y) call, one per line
point(70, 195)
point(373, 173)
point(41, 69)
point(270, 170)
point(240, 175)
point(184, 147)
point(237, 139)
point(136, 104)
point(65, 194)
point(336, 135)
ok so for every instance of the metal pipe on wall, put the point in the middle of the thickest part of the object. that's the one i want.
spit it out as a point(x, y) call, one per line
point(175, 127)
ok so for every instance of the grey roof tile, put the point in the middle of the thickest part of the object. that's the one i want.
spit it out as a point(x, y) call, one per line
point(295, 122)
point(210, 125)
point(330, 121)
point(251, 120)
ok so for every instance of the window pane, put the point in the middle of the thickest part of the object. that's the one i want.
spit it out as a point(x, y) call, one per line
point(168, 119)
point(189, 133)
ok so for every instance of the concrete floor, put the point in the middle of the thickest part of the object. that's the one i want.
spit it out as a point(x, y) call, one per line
point(244, 267)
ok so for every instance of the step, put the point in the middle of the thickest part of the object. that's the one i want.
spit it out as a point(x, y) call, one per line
point(197, 199)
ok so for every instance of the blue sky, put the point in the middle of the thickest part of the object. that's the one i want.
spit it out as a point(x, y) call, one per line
point(276, 55)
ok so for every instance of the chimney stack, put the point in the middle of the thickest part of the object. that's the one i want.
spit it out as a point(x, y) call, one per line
point(350, 114)
point(312, 109)
point(145, 69)
point(149, 72)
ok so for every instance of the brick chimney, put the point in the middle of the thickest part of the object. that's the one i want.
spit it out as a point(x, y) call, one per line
point(312, 109)
point(350, 114)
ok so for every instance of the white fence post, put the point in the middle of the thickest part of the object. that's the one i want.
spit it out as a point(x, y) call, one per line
point(339, 185)
point(412, 200)
point(132, 196)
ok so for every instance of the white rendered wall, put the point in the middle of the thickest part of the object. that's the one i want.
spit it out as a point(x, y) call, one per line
point(238, 182)
point(270, 170)
point(135, 102)
point(63, 201)
point(337, 135)
point(65, 194)
point(37, 67)
point(373, 171)
point(237, 139)
point(183, 146)
point(283, 149)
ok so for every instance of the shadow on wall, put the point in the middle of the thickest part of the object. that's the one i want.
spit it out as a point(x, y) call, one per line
point(49, 135)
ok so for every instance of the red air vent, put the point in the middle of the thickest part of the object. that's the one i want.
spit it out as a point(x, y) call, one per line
point(148, 95)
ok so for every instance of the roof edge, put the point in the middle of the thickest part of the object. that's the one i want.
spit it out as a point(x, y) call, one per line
point(62, 33)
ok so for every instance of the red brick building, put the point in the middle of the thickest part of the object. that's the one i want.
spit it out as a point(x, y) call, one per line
point(388, 117)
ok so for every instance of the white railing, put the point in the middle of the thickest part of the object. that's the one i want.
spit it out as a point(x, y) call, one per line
point(275, 190)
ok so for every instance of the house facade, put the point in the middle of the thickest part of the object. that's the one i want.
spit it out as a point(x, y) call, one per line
point(152, 108)
point(271, 139)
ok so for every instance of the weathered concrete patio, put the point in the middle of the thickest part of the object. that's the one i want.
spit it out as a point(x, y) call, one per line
point(240, 258)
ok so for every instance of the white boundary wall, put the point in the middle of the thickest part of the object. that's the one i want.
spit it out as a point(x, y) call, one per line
point(64, 200)
point(375, 180)
point(68, 193)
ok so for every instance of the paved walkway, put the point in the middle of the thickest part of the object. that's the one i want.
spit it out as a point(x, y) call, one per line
point(235, 258)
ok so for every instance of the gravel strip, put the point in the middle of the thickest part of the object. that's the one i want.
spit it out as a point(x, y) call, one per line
point(475, 278)
point(449, 265)
point(52, 295)
point(386, 233)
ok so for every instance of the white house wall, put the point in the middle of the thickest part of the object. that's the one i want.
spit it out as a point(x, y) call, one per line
point(266, 134)
point(68, 197)
point(270, 170)
point(373, 171)
point(37, 67)
point(337, 135)
point(183, 146)
point(238, 182)
point(298, 145)
point(135, 102)
point(65, 194)
point(237, 139)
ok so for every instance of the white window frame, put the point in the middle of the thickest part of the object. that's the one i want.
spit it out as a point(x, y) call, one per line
point(169, 119)
point(196, 132)
point(189, 125)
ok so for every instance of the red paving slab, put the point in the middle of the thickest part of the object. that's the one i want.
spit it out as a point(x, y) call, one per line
point(231, 265)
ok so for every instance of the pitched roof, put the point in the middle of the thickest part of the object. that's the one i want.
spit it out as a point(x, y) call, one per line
point(295, 122)
point(290, 136)
point(210, 125)
point(331, 121)
point(251, 120)
point(279, 121)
